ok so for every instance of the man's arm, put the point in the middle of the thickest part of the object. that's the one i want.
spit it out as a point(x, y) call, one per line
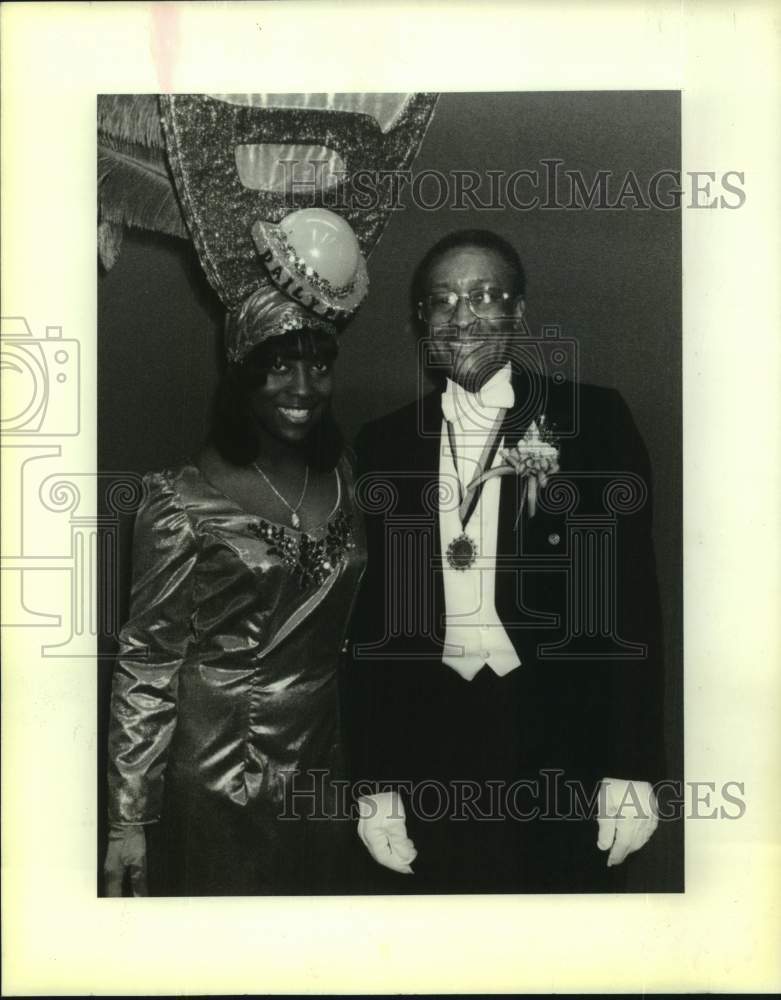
point(373, 712)
point(638, 684)
point(628, 814)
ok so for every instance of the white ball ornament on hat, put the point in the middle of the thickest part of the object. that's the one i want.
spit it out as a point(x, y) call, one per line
point(325, 243)
point(314, 257)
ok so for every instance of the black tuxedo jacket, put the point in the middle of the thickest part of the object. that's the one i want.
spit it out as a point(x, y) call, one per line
point(576, 590)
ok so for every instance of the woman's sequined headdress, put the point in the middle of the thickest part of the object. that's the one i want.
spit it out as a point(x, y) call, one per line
point(266, 313)
point(256, 177)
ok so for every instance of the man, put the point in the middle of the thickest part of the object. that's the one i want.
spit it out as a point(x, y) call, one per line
point(505, 684)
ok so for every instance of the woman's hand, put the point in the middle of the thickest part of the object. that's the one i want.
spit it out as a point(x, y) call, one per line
point(126, 854)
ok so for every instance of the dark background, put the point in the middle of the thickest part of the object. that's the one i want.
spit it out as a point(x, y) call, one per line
point(610, 279)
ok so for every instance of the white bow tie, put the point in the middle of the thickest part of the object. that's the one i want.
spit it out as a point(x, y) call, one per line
point(460, 406)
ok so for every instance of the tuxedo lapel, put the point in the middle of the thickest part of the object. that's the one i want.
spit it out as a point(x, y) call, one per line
point(432, 424)
point(419, 489)
point(516, 423)
point(415, 458)
point(418, 440)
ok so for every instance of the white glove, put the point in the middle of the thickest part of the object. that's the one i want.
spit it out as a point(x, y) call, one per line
point(627, 818)
point(383, 831)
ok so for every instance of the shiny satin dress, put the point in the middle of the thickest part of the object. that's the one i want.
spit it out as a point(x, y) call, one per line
point(225, 718)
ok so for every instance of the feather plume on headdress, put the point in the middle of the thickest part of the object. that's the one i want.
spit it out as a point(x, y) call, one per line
point(218, 168)
point(134, 182)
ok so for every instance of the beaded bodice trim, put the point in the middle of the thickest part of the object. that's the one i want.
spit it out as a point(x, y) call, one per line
point(312, 559)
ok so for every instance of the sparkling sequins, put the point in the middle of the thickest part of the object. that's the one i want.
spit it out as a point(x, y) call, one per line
point(310, 559)
point(300, 265)
point(202, 135)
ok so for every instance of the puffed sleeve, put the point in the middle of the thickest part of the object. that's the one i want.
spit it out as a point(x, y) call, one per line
point(153, 645)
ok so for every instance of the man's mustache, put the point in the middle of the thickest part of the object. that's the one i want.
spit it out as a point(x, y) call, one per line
point(478, 330)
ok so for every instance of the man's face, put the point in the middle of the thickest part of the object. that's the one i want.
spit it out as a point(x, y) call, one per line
point(467, 347)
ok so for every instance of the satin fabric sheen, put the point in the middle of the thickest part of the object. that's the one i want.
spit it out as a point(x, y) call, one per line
point(225, 698)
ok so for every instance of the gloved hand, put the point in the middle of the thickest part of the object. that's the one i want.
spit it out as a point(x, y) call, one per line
point(126, 853)
point(382, 828)
point(628, 817)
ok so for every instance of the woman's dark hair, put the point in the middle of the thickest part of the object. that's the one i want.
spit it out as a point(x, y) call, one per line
point(233, 427)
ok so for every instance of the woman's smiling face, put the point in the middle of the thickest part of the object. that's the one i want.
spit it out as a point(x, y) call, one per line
point(294, 394)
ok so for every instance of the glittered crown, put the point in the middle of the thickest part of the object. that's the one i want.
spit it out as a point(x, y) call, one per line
point(267, 313)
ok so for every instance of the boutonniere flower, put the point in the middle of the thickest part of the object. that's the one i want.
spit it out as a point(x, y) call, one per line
point(535, 458)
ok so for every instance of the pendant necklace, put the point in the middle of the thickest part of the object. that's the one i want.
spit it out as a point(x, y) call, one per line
point(295, 520)
point(462, 551)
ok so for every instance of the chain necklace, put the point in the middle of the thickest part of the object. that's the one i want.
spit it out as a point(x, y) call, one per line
point(462, 551)
point(295, 520)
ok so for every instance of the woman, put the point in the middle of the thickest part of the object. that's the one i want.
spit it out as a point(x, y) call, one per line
point(224, 719)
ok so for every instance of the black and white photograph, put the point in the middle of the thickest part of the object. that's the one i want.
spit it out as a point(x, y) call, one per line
point(412, 498)
point(389, 504)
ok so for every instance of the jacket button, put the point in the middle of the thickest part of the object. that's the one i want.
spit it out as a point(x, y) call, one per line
point(554, 539)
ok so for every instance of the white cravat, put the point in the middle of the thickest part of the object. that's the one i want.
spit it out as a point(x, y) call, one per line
point(473, 411)
point(474, 635)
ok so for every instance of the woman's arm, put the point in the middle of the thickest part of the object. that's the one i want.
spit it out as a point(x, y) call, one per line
point(153, 645)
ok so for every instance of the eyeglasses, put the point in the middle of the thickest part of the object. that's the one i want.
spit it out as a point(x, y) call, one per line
point(484, 303)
